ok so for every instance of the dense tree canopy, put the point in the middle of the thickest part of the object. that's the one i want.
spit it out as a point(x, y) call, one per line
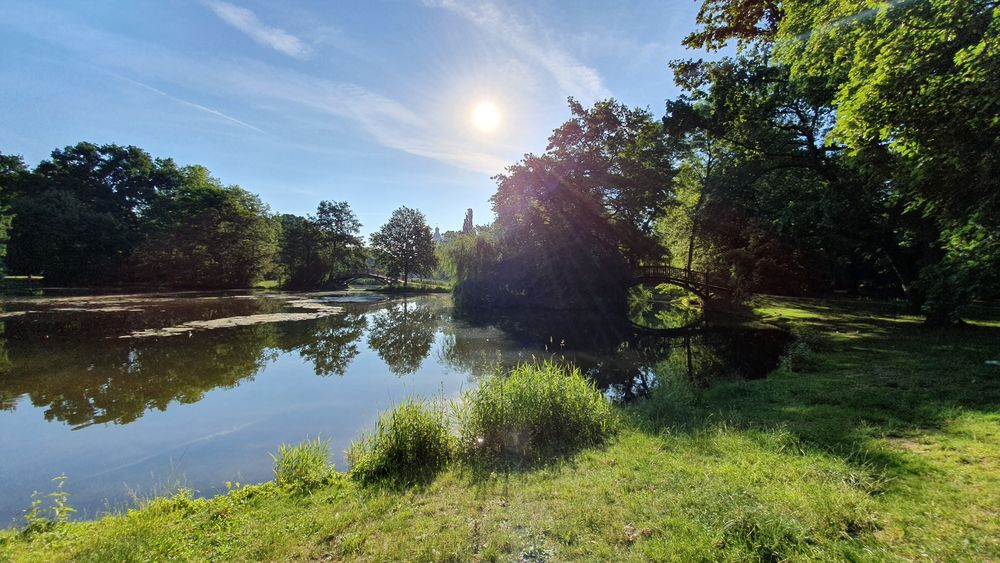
point(13, 173)
point(860, 137)
point(107, 214)
point(315, 249)
point(572, 220)
point(205, 235)
point(849, 146)
point(79, 215)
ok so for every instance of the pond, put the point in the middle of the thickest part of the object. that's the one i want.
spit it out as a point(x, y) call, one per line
point(134, 395)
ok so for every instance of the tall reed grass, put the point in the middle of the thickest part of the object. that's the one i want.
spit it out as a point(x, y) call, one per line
point(409, 443)
point(532, 411)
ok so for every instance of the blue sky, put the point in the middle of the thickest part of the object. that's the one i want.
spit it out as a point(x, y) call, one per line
point(367, 101)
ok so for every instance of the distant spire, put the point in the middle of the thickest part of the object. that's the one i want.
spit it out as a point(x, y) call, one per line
point(437, 235)
point(467, 225)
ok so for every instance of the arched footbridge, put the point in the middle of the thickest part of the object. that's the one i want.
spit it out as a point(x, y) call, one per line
point(701, 284)
point(344, 280)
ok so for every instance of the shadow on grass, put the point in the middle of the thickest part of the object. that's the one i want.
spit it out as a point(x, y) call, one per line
point(880, 374)
point(482, 469)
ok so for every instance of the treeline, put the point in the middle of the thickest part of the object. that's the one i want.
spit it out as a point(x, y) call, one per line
point(108, 215)
point(843, 148)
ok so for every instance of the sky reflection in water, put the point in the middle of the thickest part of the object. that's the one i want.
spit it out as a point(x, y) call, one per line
point(144, 414)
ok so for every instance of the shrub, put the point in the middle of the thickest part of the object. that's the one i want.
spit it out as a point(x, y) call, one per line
point(410, 442)
point(799, 357)
point(302, 467)
point(534, 410)
point(811, 337)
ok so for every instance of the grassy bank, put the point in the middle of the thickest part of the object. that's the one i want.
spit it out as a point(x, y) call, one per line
point(884, 443)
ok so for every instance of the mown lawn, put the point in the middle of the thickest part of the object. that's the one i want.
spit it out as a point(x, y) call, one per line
point(887, 449)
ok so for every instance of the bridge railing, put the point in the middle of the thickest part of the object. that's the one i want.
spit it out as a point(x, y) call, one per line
point(681, 274)
point(355, 275)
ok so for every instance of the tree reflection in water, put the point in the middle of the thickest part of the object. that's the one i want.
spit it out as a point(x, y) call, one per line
point(74, 367)
point(402, 333)
point(330, 343)
point(621, 359)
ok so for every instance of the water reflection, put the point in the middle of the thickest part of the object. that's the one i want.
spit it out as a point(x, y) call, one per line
point(330, 344)
point(402, 333)
point(71, 363)
point(210, 404)
point(80, 380)
point(620, 358)
point(664, 307)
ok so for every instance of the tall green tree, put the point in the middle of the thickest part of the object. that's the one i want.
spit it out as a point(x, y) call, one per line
point(571, 222)
point(300, 252)
point(339, 228)
point(82, 212)
point(13, 175)
point(206, 235)
point(316, 249)
point(779, 207)
point(909, 88)
point(916, 84)
point(404, 245)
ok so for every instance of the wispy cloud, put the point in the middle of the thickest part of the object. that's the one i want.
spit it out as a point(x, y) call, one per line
point(297, 99)
point(531, 43)
point(388, 121)
point(272, 37)
point(187, 103)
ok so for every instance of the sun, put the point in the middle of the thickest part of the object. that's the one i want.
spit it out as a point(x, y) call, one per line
point(486, 116)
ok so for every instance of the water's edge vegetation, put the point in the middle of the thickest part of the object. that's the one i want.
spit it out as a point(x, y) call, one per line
point(877, 438)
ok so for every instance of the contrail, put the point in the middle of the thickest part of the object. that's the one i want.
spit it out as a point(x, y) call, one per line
point(183, 101)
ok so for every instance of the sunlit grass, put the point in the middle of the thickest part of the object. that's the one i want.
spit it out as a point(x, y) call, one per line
point(410, 443)
point(302, 467)
point(889, 449)
point(533, 410)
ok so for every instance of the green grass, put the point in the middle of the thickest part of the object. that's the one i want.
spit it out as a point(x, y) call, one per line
point(410, 443)
point(531, 412)
point(302, 467)
point(887, 449)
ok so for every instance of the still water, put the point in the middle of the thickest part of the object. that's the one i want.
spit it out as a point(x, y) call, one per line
point(134, 395)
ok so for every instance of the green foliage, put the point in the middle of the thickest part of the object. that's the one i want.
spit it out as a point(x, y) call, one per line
point(110, 214)
point(886, 113)
point(469, 255)
point(571, 220)
point(40, 518)
point(746, 21)
point(411, 442)
point(207, 235)
point(470, 260)
point(404, 245)
point(532, 411)
point(316, 249)
point(671, 400)
point(303, 467)
point(799, 357)
point(80, 214)
point(13, 174)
